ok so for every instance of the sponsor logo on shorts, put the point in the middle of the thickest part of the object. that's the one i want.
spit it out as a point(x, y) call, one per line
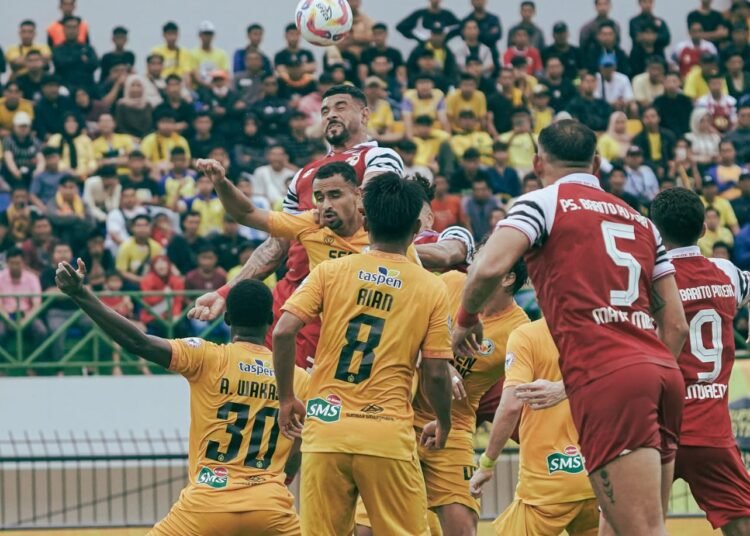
point(509, 359)
point(216, 478)
point(326, 410)
point(487, 347)
point(258, 367)
point(372, 409)
point(384, 276)
point(570, 461)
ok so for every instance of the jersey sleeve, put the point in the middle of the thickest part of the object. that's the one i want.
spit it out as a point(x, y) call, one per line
point(290, 226)
point(533, 215)
point(380, 160)
point(519, 359)
point(301, 383)
point(459, 233)
point(188, 356)
point(307, 301)
point(740, 280)
point(437, 342)
point(291, 201)
point(663, 264)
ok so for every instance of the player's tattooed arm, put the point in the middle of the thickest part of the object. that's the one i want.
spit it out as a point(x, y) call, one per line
point(264, 260)
point(666, 307)
point(606, 485)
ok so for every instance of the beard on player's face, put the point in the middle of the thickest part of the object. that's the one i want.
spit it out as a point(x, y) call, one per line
point(341, 135)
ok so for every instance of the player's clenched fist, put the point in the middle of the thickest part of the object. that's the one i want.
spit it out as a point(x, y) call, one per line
point(480, 478)
point(291, 418)
point(211, 168)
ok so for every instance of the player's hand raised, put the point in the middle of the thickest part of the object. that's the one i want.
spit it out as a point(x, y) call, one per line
point(68, 279)
point(467, 341)
point(291, 418)
point(211, 168)
point(479, 479)
point(207, 307)
point(541, 394)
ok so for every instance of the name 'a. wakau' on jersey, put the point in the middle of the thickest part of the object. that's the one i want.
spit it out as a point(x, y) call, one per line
point(593, 261)
point(710, 290)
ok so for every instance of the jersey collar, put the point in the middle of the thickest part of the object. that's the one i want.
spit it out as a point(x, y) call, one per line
point(688, 251)
point(581, 178)
point(371, 143)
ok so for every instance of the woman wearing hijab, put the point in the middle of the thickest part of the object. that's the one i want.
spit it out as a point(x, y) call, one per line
point(90, 109)
point(133, 113)
point(250, 150)
point(704, 140)
point(614, 143)
point(76, 148)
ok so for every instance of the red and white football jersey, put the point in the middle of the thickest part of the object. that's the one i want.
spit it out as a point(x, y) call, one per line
point(592, 261)
point(711, 290)
point(366, 158)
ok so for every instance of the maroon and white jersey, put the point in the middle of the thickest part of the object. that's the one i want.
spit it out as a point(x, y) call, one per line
point(366, 159)
point(711, 290)
point(593, 261)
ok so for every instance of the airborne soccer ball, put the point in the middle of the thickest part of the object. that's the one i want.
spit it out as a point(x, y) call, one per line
point(324, 22)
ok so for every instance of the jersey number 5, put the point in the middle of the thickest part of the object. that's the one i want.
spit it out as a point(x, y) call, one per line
point(235, 429)
point(611, 231)
point(698, 349)
point(354, 345)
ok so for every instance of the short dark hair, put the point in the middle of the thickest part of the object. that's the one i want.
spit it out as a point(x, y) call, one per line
point(345, 89)
point(170, 27)
point(724, 245)
point(64, 244)
point(338, 168)
point(713, 209)
point(528, 3)
point(569, 141)
point(678, 214)
point(606, 24)
point(521, 271)
point(380, 26)
point(407, 146)
point(177, 151)
point(28, 22)
point(254, 26)
point(206, 248)
point(48, 150)
point(392, 206)
point(69, 18)
point(163, 115)
point(472, 153)
point(250, 291)
point(186, 215)
point(152, 57)
point(467, 114)
point(500, 146)
point(141, 217)
point(136, 154)
point(108, 171)
point(289, 27)
point(67, 179)
point(424, 120)
point(467, 77)
point(427, 188)
point(14, 252)
point(173, 78)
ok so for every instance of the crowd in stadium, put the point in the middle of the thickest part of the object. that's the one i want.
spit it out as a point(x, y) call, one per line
point(98, 152)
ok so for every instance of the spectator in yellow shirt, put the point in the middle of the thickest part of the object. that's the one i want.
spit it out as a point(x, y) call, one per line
point(710, 198)
point(75, 147)
point(15, 55)
point(715, 232)
point(10, 105)
point(158, 145)
point(207, 58)
point(207, 204)
point(430, 142)
point(466, 97)
point(696, 81)
point(111, 148)
point(421, 101)
point(177, 60)
point(615, 142)
point(135, 253)
point(381, 122)
point(542, 113)
point(468, 137)
point(521, 142)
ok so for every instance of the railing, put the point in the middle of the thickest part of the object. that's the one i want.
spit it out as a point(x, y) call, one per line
point(88, 348)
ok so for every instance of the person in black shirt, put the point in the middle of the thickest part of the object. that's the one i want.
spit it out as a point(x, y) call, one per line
point(490, 27)
point(382, 67)
point(229, 243)
point(500, 104)
point(645, 47)
point(50, 110)
point(223, 103)
point(561, 88)
point(606, 43)
point(737, 78)
point(436, 43)
point(417, 25)
point(75, 63)
point(647, 16)
point(183, 249)
point(616, 186)
point(284, 57)
point(298, 145)
point(31, 81)
point(380, 47)
point(426, 64)
point(173, 103)
point(673, 106)
point(271, 110)
point(739, 43)
point(715, 26)
point(203, 137)
point(468, 172)
point(569, 55)
point(295, 82)
point(119, 55)
point(741, 205)
point(592, 112)
point(146, 189)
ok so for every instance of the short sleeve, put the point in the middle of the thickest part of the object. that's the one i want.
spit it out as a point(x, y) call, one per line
point(663, 264)
point(188, 356)
point(406, 105)
point(533, 215)
point(440, 105)
point(307, 301)
point(290, 226)
point(382, 160)
point(437, 342)
point(301, 383)
point(519, 359)
point(740, 280)
point(291, 201)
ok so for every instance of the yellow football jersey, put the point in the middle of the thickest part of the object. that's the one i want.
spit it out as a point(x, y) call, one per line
point(479, 372)
point(236, 454)
point(378, 311)
point(551, 466)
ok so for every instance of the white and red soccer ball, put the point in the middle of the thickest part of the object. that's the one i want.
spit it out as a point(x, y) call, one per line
point(323, 22)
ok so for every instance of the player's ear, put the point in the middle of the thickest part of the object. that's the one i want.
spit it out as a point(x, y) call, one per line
point(596, 164)
point(538, 165)
point(703, 230)
point(365, 116)
point(226, 319)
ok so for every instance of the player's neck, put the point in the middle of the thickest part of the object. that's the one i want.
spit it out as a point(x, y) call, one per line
point(498, 305)
point(669, 246)
point(394, 248)
point(255, 336)
point(350, 143)
point(350, 228)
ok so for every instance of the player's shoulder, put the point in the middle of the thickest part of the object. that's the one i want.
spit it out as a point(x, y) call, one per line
point(453, 279)
point(385, 157)
point(535, 330)
point(197, 343)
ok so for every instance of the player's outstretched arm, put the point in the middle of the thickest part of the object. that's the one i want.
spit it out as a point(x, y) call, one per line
point(291, 411)
point(666, 307)
point(123, 331)
point(437, 385)
point(237, 205)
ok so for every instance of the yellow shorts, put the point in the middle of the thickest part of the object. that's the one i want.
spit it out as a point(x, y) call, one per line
point(180, 522)
point(577, 518)
point(447, 473)
point(363, 520)
point(392, 490)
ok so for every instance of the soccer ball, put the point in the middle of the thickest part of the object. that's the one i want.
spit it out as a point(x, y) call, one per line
point(324, 22)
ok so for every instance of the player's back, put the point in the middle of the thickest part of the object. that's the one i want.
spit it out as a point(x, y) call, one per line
point(378, 311)
point(710, 290)
point(592, 264)
point(237, 455)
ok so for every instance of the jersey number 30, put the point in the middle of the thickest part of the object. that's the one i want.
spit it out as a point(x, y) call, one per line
point(235, 429)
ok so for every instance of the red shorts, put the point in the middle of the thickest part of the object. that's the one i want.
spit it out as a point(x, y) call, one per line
point(488, 406)
point(307, 338)
point(638, 406)
point(718, 480)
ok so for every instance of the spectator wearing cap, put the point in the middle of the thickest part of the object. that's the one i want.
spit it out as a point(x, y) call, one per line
point(644, 47)
point(468, 135)
point(380, 47)
point(133, 113)
point(101, 193)
point(612, 86)
point(119, 55)
point(542, 114)
point(157, 146)
point(208, 59)
point(561, 87)
point(646, 16)
point(45, 183)
point(738, 42)
point(696, 81)
point(656, 143)
point(70, 219)
point(466, 97)
point(223, 104)
point(56, 30)
point(722, 108)
point(30, 81)
point(75, 62)
point(740, 136)
point(726, 172)
point(535, 34)
point(737, 78)
point(469, 46)
point(22, 152)
point(606, 45)
point(418, 24)
point(248, 82)
point(569, 55)
point(741, 204)
point(254, 40)
point(282, 58)
point(295, 82)
point(443, 56)
point(271, 109)
point(710, 197)
point(673, 106)
point(433, 149)
point(649, 85)
point(521, 48)
point(177, 60)
point(521, 142)
point(12, 103)
point(714, 232)
point(587, 36)
point(642, 182)
point(176, 104)
point(687, 54)
point(15, 55)
point(381, 122)
point(715, 27)
point(490, 26)
point(424, 100)
point(407, 150)
point(587, 108)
